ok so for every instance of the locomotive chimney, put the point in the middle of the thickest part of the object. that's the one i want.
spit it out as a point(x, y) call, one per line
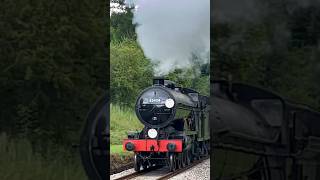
point(158, 80)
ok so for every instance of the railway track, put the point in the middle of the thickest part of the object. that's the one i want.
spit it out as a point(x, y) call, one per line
point(122, 168)
point(179, 171)
point(136, 174)
point(163, 177)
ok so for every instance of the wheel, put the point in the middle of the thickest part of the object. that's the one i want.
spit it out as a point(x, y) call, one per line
point(172, 162)
point(145, 166)
point(137, 163)
point(196, 152)
point(198, 155)
point(206, 151)
point(184, 158)
point(189, 155)
point(179, 161)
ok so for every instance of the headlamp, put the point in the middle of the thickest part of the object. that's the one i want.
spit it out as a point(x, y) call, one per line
point(152, 133)
point(169, 103)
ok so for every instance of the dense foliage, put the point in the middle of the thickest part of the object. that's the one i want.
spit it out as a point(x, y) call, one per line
point(130, 72)
point(279, 50)
point(53, 67)
point(19, 161)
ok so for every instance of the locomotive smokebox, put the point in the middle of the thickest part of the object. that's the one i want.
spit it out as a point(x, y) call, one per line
point(158, 80)
point(157, 106)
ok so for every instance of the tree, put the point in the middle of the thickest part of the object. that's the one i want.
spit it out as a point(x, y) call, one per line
point(121, 25)
point(130, 72)
point(52, 67)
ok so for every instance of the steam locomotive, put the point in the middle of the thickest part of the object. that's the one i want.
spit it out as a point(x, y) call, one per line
point(258, 134)
point(176, 126)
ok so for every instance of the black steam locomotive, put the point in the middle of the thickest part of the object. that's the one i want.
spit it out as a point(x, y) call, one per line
point(258, 134)
point(176, 126)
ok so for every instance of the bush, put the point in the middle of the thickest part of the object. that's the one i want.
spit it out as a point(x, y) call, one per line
point(18, 161)
point(130, 72)
point(122, 120)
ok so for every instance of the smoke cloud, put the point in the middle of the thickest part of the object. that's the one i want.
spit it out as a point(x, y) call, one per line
point(171, 32)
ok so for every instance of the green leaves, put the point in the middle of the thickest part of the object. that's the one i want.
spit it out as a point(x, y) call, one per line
point(130, 72)
point(52, 67)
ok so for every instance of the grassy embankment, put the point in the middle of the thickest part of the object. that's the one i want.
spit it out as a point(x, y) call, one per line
point(122, 120)
point(18, 161)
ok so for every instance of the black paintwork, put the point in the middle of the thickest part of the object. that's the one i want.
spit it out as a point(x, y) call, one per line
point(147, 110)
point(259, 122)
point(187, 120)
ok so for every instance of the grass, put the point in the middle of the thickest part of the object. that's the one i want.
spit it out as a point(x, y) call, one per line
point(122, 120)
point(18, 161)
point(117, 149)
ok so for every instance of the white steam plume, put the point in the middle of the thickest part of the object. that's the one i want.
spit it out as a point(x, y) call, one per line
point(171, 31)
